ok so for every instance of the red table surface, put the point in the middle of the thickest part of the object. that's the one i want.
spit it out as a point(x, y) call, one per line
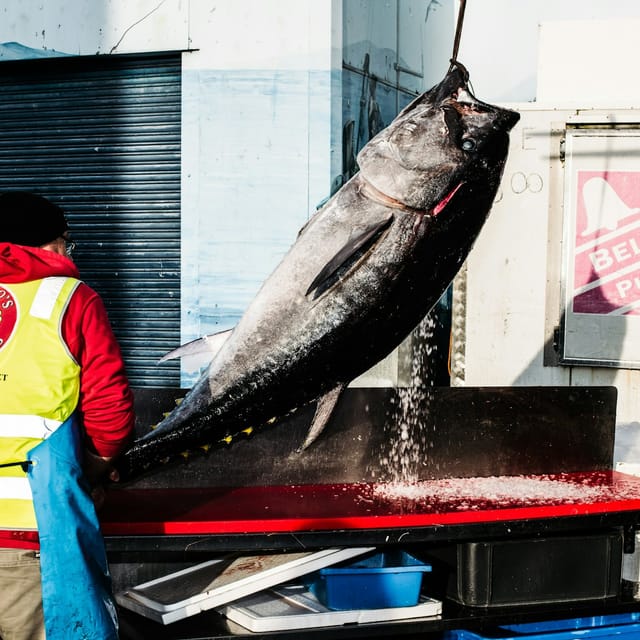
point(272, 509)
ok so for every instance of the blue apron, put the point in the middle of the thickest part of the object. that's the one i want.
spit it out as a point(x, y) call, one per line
point(76, 585)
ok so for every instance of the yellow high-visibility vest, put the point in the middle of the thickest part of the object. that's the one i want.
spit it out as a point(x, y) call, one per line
point(39, 384)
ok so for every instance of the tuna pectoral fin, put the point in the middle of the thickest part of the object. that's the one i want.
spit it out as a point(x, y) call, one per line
point(198, 353)
point(324, 410)
point(355, 247)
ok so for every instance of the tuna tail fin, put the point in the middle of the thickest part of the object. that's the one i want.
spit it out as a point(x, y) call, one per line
point(198, 353)
point(344, 259)
point(324, 410)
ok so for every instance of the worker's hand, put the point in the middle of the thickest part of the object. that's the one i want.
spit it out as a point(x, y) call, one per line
point(98, 495)
point(98, 469)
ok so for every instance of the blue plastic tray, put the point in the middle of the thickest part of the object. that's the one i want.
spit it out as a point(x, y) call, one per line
point(383, 580)
point(620, 626)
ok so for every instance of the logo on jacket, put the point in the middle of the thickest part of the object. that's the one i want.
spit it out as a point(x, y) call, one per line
point(8, 315)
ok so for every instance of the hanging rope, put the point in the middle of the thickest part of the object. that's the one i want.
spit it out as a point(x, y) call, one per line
point(456, 41)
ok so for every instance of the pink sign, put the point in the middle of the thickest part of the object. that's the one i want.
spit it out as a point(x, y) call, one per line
point(607, 243)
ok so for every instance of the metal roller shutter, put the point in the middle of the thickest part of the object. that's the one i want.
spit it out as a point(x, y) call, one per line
point(100, 136)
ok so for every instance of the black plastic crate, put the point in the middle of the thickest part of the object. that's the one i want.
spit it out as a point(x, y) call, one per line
point(537, 570)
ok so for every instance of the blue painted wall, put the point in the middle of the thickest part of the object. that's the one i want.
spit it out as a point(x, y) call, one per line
point(253, 137)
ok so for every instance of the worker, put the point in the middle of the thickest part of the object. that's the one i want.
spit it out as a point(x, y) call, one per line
point(66, 411)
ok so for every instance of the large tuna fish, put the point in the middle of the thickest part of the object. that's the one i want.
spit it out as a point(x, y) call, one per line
point(361, 275)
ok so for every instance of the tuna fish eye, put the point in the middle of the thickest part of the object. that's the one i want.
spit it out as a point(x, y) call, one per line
point(469, 144)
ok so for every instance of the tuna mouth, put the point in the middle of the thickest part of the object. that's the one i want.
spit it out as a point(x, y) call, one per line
point(445, 201)
point(466, 104)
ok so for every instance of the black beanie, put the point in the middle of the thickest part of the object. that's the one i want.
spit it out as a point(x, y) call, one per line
point(29, 219)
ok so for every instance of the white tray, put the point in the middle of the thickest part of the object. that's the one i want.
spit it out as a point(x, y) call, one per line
point(218, 582)
point(293, 607)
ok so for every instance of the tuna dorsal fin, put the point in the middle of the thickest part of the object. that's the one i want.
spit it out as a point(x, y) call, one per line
point(324, 410)
point(198, 353)
point(356, 246)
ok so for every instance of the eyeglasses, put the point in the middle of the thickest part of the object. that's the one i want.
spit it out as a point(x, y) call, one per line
point(69, 246)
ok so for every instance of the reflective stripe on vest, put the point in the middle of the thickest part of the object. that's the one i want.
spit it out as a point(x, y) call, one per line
point(39, 384)
point(12, 426)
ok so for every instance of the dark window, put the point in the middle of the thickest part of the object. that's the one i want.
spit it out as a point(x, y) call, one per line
point(100, 136)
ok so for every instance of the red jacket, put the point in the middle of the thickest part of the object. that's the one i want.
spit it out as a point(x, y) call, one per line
point(106, 401)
